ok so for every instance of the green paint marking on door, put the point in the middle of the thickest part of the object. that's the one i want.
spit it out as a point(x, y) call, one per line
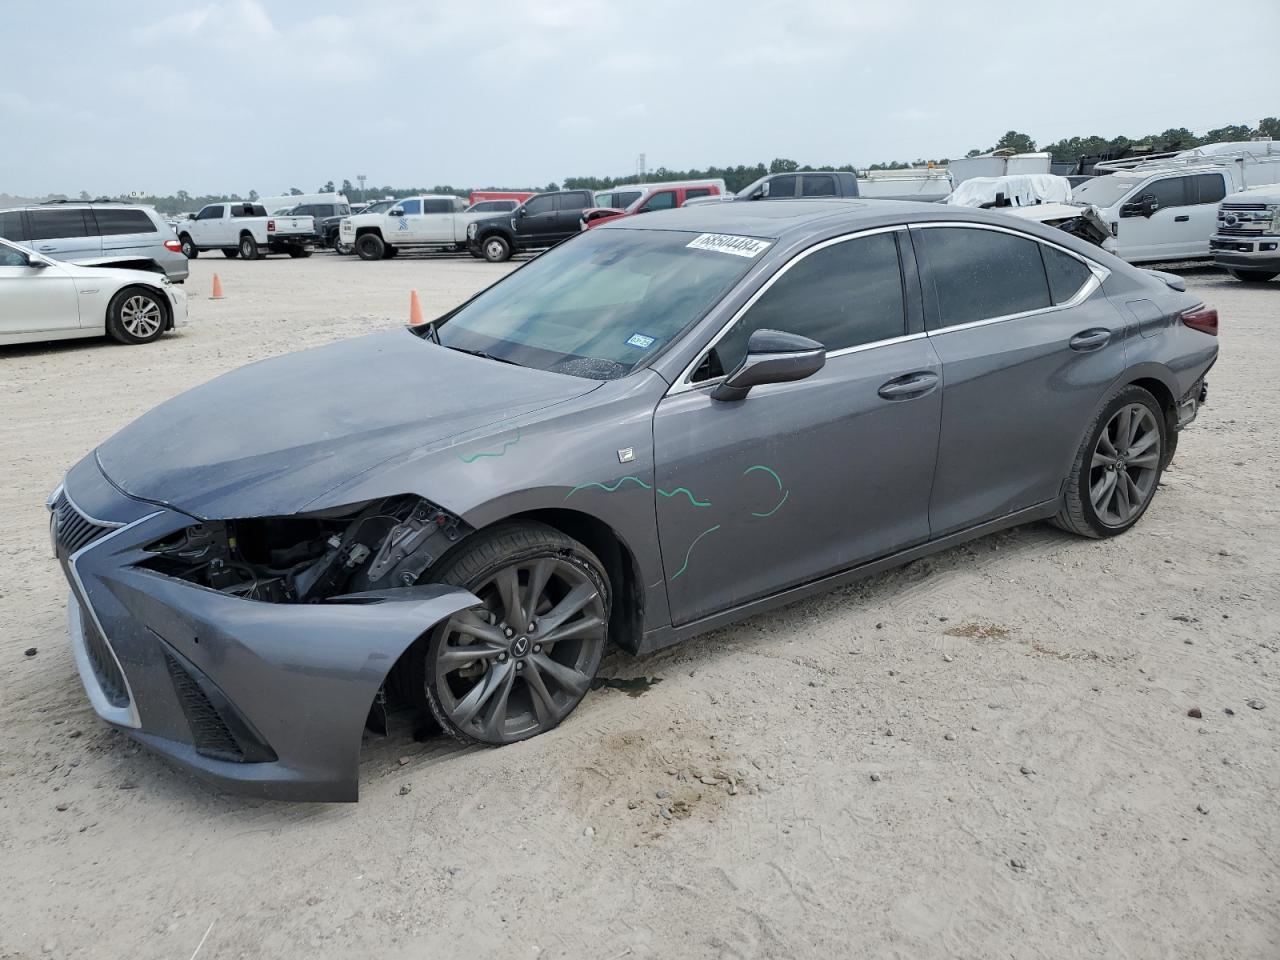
point(688, 553)
point(776, 479)
point(608, 487)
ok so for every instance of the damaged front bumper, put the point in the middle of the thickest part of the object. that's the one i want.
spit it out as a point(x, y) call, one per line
point(264, 698)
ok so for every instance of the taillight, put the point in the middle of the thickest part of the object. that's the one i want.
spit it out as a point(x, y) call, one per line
point(174, 245)
point(271, 226)
point(1202, 318)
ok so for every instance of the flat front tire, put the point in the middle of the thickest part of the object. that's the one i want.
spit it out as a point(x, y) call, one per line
point(521, 662)
point(1118, 466)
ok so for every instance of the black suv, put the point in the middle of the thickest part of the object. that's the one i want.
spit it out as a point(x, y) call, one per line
point(328, 217)
point(541, 221)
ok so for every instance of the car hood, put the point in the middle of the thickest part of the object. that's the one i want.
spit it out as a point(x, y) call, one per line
point(269, 438)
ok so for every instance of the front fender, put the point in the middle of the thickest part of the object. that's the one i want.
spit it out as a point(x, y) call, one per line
point(293, 682)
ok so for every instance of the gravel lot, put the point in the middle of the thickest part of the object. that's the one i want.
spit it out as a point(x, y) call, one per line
point(983, 754)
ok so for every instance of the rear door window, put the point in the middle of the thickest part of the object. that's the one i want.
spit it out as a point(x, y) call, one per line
point(571, 201)
point(844, 295)
point(1209, 187)
point(1066, 274)
point(818, 185)
point(982, 274)
point(437, 206)
point(114, 222)
point(59, 224)
point(246, 210)
point(696, 192)
point(12, 226)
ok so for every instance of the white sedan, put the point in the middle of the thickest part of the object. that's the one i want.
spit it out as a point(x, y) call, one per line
point(46, 299)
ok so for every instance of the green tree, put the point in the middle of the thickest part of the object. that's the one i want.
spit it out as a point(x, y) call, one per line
point(327, 188)
point(295, 192)
point(347, 188)
point(253, 196)
point(84, 194)
point(781, 165)
point(1018, 142)
point(1270, 127)
point(1234, 131)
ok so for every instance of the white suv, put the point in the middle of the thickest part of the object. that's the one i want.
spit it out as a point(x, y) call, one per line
point(99, 233)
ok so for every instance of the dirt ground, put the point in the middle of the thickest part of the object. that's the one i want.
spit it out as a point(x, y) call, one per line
point(983, 754)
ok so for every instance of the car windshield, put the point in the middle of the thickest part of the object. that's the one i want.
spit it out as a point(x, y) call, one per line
point(1102, 191)
point(597, 305)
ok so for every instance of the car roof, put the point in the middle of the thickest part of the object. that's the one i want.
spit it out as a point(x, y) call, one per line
point(778, 219)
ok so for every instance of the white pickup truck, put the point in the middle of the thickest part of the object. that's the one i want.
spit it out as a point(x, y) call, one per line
point(245, 230)
point(430, 222)
point(1161, 208)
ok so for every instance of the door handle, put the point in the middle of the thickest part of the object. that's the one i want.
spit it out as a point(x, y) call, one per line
point(1183, 219)
point(47, 247)
point(909, 385)
point(1090, 339)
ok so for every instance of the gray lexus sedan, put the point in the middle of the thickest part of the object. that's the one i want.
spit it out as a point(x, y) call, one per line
point(658, 427)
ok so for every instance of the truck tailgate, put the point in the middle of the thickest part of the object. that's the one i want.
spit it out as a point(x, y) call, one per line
point(292, 226)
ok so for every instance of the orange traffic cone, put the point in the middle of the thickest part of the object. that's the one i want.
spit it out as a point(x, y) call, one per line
point(415, 310)
point(217, 288)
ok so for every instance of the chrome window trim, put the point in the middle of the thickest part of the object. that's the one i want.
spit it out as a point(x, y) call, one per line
point(1087, 289)
point(684, 384)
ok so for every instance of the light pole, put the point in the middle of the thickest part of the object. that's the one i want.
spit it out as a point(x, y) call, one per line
point(361, 177)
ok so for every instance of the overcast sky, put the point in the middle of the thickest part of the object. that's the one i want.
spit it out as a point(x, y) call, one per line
point(224, 97)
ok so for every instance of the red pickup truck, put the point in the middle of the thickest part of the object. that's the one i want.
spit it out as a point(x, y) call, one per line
point(657, 198)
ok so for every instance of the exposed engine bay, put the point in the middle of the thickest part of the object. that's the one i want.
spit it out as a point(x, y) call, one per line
point(313, 557)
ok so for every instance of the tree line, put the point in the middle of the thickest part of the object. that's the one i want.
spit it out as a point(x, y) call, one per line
point(1066, 150)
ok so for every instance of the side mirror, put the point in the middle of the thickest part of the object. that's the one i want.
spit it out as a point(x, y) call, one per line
point(36, 261)
point(1144, 206)
point(395, 212)
point(772, 357)
point(522, 212)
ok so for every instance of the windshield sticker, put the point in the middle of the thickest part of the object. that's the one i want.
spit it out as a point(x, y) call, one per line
point(640, 340)
point(724, 243)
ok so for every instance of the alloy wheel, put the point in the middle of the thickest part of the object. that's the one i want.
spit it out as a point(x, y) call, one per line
point(1125, 465)
point(519, 663)
point(141, 316)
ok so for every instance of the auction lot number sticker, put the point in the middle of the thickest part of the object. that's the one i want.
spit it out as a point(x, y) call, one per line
point(726, 243)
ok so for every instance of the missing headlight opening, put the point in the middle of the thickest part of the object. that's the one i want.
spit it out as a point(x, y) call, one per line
point(313, 557)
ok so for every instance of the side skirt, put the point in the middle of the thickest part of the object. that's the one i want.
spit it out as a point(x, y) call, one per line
point(666, 636)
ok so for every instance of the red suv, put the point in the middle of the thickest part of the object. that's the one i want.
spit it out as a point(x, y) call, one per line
point(659, 198)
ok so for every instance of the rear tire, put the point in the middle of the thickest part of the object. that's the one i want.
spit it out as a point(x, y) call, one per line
point(369, 246)
point(390, 252)
point(137, 315)
point(1117, 469)
point(188, 247)
point(527, 675)
point(249, 248)
point(1253, 276)
point(340, 248)
point(298, 253)
point(231, 252)
point(496, 249)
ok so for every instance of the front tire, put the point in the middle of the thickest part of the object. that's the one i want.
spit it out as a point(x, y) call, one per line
point(189, 249)
point(298, 253)
point(1253, 276)
point(520, 663)
point(249, 248)
point(1118, 466)
point(496, 249)
point(137, 315)
point(369, 246)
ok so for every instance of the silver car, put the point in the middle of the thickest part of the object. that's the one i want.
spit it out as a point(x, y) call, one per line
point(98, 233)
